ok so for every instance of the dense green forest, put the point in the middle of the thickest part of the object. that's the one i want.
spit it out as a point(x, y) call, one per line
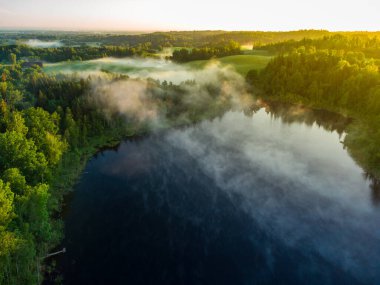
point(367, 44)
point(69, 53)
point(43, 124)
point(336, 73)
point(59, 54)
point(49, 126)
point(217, 50)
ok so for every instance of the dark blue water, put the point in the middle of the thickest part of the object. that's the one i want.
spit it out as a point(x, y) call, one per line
point(238, 200)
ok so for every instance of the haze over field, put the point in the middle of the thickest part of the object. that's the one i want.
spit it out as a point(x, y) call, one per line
point(43, 44)
point(180, 15)
point(157, 69)
point(134, 67)
point(133, 98)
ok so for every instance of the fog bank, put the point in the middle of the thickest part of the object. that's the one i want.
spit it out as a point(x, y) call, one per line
point(211, 90)
point(297, 183)
point(43, 44)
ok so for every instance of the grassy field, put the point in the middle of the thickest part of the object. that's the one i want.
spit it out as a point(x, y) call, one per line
point(242, 63)
point(121, 66)
point(156, 68)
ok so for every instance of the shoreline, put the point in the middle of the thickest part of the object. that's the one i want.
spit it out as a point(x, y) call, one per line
point(75, 161)
point(354, 131)
point(62, 187)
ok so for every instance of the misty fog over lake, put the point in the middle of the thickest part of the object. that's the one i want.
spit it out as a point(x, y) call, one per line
point(241, 199)
point(43, 44)
point(158, 69)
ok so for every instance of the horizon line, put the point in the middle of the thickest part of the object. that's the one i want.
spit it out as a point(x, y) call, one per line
point(43, 29)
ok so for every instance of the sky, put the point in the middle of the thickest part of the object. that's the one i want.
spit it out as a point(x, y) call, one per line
point(151, 15)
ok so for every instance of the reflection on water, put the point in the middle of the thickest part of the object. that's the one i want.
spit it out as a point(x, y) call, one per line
point(263, 199)
point(290, 113)
point(375, 186)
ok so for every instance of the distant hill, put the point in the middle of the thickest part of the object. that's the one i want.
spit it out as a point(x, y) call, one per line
point(168, 39)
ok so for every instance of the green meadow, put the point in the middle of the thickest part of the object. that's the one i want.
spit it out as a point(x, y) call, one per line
point(242, 63)
point(114, 66)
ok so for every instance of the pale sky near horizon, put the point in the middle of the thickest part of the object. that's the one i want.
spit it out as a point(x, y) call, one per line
point(141, 15)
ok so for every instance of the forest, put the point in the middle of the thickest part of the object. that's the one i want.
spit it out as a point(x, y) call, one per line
point(367, 44)
point(68, 53)
point(49, 127)
point(218, 50)
point(36, 147)
point(337, 73)
point(161, 39)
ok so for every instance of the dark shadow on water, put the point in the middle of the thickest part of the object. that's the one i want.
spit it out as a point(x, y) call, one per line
point(375, 187)
point(148, 212)
point(290, 113)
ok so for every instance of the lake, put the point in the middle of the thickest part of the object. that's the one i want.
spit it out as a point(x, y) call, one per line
point(266, 198)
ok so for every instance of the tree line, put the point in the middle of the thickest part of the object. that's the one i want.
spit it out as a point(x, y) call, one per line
point(49, 126)
point(68, 53)
point(158, 40)
point(341, 80)
point(367, 43)
point(186, 55)
point(44, 122)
